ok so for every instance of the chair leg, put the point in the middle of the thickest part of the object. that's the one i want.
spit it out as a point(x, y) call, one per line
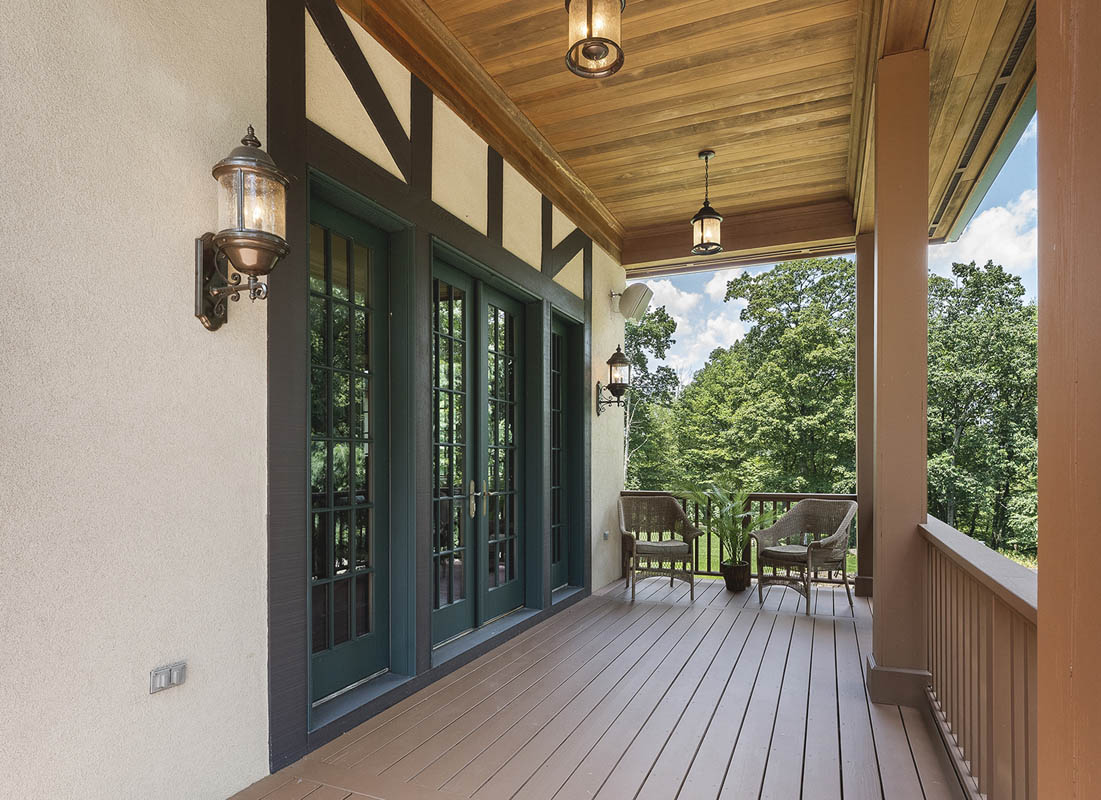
point(806, 589)
point(691, 582)
point(634, 576)
point(760, 583)
point(845, 578)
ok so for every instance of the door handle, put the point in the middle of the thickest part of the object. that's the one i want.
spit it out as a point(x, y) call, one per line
point(485, 499)
point(471, 496)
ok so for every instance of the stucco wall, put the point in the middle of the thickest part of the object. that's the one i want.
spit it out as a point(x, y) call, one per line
point(607, 430)
point(132, 441)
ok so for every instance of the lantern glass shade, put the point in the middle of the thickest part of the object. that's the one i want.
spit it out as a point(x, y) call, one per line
point(619, 373)
point(250, 201)
point(707, 231)
point(595, 35)
point(252, 208)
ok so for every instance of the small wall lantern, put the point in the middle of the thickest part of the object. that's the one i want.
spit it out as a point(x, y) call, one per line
point(595, 30)
point(619, 380)
point(252, 221)
point(707, 224)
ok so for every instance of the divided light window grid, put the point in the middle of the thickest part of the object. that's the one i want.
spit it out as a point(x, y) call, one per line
point(341, 503)
point(449, 435)
point(558, 511)
point(502, 453)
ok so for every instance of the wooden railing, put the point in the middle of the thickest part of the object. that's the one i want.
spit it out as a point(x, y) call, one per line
point(982, 655)
point(707, 550)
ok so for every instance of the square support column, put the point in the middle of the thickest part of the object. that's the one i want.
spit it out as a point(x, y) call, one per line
point(1069, 172)
point(865, 410)
point(898, 671)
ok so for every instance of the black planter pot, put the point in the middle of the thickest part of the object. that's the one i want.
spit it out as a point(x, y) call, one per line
point(735, 575)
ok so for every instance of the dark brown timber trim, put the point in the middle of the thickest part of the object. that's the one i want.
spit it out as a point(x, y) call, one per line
point(288, 690)
point(420, 131)
point(565, 251)
point(495, 181)
point(332, 157)
point(338, 36)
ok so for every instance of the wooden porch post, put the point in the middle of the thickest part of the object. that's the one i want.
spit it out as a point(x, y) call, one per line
point(865, 409)
point(1069, 619)
point(898, 663)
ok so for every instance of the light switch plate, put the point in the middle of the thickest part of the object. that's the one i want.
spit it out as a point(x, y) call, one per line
point(168, 676)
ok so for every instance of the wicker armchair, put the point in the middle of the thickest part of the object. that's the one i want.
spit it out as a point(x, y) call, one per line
point(812, 537)
point(644, 522)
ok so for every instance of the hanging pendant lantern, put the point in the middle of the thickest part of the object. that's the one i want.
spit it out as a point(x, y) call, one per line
point(707, 224)
point(595, 29)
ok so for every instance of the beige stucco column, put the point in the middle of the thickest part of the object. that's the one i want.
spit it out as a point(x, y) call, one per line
point(1069, 623)
point(865, 409)
point(897, 663)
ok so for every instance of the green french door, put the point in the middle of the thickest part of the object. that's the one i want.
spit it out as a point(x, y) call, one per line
point(560, 513)
point(348, 570)
point(477, 503)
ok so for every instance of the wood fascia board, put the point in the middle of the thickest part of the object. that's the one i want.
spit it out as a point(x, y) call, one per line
point(757, 234)
point(423, 44)
point(682, 267)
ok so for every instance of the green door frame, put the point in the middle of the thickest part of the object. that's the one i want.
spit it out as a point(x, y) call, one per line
point(501, 396)
point(350, 535)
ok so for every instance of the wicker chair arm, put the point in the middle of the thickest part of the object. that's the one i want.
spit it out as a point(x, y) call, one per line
point(837, 543)
point(775, 534)
point(690, 530)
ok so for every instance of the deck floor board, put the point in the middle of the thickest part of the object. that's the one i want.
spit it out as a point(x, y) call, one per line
point(660, 698)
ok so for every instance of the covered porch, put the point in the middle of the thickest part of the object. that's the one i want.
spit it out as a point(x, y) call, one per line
point(661, 698)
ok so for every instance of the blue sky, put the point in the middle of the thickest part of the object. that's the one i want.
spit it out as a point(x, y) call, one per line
point(1003, 230)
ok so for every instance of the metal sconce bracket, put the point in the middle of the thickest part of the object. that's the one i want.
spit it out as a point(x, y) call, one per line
point(214, 284)
point(605, 398)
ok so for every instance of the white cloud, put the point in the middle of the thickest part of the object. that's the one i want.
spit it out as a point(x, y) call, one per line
point(676, 301)
point(717, 330)
point(1005, 235)
point(716, 287)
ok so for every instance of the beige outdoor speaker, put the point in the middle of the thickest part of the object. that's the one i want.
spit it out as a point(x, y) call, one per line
point(633, 301)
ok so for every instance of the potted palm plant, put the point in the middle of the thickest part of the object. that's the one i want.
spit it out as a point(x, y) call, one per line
point(729, 519)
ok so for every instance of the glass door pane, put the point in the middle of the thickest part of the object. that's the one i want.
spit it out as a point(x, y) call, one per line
point(453, 552)
point(502, 520)
point(560, 540)
point(348, 528)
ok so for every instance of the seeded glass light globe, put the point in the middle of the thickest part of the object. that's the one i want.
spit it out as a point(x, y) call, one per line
point(252, 208)
point(619, 373)
point(595, 28)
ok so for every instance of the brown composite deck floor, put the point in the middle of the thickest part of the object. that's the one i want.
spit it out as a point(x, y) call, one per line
point(721, 698)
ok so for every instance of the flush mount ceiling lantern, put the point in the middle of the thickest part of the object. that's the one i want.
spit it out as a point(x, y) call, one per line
point(707, 224)
point(595, 34)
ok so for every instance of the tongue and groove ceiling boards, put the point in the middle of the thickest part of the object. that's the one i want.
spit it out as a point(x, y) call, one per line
point(781, 89)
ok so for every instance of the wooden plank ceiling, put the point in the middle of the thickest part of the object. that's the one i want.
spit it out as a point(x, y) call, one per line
point(780, 89)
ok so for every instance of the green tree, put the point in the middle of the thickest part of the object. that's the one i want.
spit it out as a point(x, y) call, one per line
point(982, 405)
point(647, 421)
point(776, 410)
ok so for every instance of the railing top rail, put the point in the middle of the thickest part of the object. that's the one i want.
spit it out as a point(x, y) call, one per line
point(780, 496)
point(1011, 582)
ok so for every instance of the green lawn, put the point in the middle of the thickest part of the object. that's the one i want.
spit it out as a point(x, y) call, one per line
point(714, 560)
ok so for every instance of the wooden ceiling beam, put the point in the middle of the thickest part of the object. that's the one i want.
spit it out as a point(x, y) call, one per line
point(424, 45)
point(758, 235)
